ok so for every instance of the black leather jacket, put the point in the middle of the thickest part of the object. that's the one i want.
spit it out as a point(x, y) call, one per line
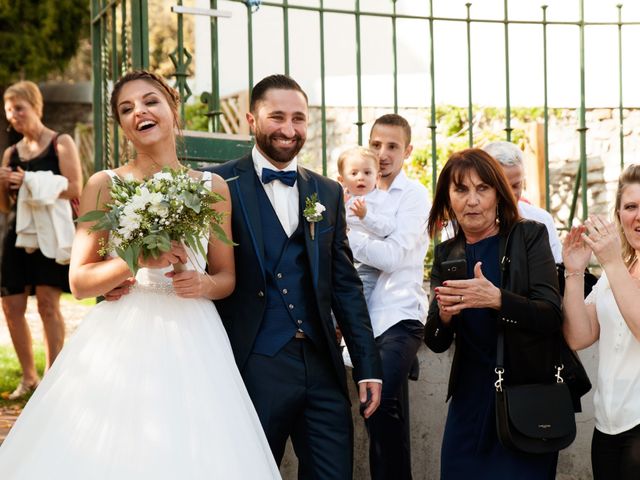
point(531, 312)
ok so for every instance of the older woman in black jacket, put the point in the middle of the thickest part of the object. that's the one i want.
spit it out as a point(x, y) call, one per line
point(510, 284)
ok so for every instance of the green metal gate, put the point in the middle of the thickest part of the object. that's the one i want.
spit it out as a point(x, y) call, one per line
point(120, 39)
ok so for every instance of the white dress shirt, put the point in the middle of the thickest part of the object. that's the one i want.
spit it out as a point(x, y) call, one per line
point(531, 212)
point(398, 294)
point(284, 199)
point(617, 396)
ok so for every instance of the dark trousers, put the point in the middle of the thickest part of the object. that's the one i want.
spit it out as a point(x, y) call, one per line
point(388, 427)
point(296, 394)
point(616, 456)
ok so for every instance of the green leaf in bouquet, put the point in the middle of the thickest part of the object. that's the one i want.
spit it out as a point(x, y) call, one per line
point(157, 242)
point(109, 221)
point(130, 255)
point(91, 216)
point(191, 201)
point(221, 235)
point(196, 244)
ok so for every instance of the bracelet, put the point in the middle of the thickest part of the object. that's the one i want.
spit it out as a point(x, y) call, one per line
point(571, 274)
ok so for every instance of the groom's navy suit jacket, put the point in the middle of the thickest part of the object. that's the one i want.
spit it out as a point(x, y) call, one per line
point(335, 283)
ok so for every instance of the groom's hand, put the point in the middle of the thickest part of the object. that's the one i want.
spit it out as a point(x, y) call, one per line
point(120, 290)
point(369, 397)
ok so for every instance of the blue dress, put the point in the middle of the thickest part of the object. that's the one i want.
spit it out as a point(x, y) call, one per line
point(470, 447)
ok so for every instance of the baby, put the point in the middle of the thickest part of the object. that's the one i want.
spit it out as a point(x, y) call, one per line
point(359, 170)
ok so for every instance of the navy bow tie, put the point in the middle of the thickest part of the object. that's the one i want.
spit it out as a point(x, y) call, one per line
point(288, 178)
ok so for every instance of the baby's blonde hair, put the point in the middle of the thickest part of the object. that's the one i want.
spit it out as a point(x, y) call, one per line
point(362, 152)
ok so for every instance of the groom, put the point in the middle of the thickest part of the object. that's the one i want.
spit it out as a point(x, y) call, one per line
point(291, 271)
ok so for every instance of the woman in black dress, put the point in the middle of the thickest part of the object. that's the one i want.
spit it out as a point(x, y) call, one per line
point(23, 273)
point(523, 302)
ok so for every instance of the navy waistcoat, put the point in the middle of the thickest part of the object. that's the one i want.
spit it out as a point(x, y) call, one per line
point(290, 301)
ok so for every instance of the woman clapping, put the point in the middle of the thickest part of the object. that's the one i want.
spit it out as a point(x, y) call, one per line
point(611, 315)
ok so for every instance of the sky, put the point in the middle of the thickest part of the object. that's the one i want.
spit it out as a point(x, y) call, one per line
point(450, 42)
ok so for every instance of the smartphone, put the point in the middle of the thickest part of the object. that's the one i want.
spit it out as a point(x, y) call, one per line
point(454, 269)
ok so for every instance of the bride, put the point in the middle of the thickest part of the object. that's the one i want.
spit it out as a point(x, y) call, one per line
point(147, 388)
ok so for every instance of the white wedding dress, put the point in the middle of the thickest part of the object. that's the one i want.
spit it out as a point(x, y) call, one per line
point(147, 388)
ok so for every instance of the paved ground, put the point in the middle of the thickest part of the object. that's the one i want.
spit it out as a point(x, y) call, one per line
point(73, 314)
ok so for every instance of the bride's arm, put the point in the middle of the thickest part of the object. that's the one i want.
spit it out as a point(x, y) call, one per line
point(220, 280)
point(91, 275)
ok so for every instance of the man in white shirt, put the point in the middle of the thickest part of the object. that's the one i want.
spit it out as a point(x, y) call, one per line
point(398, 305)
point(510, 158)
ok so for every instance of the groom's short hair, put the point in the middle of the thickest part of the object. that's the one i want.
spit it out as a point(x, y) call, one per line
point(278, 82)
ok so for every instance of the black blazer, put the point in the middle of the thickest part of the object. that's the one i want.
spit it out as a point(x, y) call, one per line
point(336, 284)
point(531, 312)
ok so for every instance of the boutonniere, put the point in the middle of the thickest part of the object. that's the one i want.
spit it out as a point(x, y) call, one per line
point(313, 212)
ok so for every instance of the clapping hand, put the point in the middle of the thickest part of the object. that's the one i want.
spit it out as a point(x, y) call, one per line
point(575, 251)
point(603, 239)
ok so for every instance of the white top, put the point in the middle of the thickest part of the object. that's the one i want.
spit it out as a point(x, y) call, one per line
point(531, 212)
point(380, 218)
point(617, 395)
point(284, 199)
point(398, 294)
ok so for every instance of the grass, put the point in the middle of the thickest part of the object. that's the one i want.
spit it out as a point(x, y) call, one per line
point(67, 297)
point(10, 373)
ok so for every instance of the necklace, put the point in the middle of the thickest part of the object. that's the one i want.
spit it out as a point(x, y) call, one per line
point(157, 167)
point(28, 153)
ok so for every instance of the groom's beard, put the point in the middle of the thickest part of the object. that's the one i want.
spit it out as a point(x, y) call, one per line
point(269, 146)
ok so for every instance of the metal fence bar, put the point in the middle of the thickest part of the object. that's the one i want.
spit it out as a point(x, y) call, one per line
point(96, 59)
point(323, 108)
point(507, 128)
point(359, 123)
point(619, 6)
point(395, 57)
point(115, 71)
point(285, 25)
point(583, 123)
point(433, 126)
point(123, 40)
point(104, 92)
point(139, 34)
point(213, 99)
point(469, 83)
point(250, 43)
point(547, 192)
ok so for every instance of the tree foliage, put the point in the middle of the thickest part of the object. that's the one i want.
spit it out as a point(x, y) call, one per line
point(39, 36)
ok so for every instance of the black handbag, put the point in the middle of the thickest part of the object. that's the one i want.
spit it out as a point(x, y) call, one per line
point(535, 418)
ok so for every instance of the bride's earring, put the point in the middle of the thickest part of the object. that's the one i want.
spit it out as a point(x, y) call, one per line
point(497, 215)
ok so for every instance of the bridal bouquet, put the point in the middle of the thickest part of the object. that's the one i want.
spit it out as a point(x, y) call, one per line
point(144, 216)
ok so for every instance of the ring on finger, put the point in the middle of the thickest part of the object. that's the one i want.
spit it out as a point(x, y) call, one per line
point(461, 299)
